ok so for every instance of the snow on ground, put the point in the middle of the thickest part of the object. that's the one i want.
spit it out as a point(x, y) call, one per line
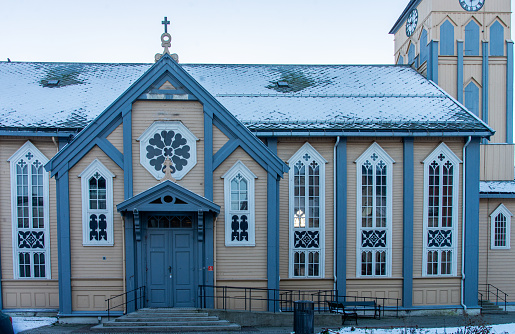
point(24, 323)
point(494, 329)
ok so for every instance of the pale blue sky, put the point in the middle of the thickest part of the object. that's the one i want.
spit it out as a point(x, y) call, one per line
point(203, 31)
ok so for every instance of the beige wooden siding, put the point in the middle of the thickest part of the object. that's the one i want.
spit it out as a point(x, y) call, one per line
point(88, 264)
point(436, 291)
point(307, 284)
point(390, 288)
point(496, 265)
point(394, 148)
point(447, 74)
point(144, 113)
point(241, 263)
point(497, 162)
point(116, 138)
point(286, 148)
point(90, 294)
point(219, 139)
point(422, 148)
point(25, 293)
point(497, 99)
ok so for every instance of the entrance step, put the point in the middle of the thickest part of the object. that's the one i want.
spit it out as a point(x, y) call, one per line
point(167, 320)
point(491, 308)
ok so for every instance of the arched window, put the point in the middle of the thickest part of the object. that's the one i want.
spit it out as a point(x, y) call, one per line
point(374, 212)
point(239, 206)
point(496, 39)
point(447, 39)
point(30, 213)
point(500, 226)
point(307, 212)
point(441, 190)
point(472, 39)
point(97, 205)
point(472, 98)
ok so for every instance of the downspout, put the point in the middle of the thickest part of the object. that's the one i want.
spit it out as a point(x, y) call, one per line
point(463, 228)
point(335, 279)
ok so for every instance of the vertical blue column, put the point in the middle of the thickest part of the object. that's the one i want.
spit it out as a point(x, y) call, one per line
point(273, 232)
point(509, 92)
point(208, 157)
point(459, 47)
point(127, 155)
point(432, 70)
point(209, 244)
point(130, 262)
point(484, 83)
point(63, 242)
point(341, 217)
point(472, 162)
point(407, 249)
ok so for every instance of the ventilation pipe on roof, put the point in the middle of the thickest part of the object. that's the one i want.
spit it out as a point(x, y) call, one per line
point(463, 228)
point(335, 278)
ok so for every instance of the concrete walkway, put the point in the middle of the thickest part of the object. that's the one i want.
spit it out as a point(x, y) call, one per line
point(387, 322)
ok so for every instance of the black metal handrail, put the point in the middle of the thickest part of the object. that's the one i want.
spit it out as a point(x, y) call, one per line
point(140, 296)
point(499, 294)
point(282, 300)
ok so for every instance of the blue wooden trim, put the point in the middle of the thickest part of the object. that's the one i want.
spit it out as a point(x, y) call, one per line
point(37, 133)
point(509, 92)
point(111, 127)
point(496, 39)
point(63, 243)
point(167, 97)
point(127, 155)
point(472, 39)
point(432, 69)
point(485, 84)
point(400, 21)
point(62, 141)
point(447, 39)
point(341, 217)
point(411, 54)
point(208, 257)
point(497, 195)
point(472, 98)
point(459, 47)
point(166, 67)
point(111, 151)
point(423, 46)
point(472, 162)
point(130, 261)
point(224, 152)
point(272, 231)
point(208, 157)
point(373, 133)
point(408, 195)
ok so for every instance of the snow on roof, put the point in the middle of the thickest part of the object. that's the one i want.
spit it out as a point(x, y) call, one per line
point(497, 187)
point(328, 97)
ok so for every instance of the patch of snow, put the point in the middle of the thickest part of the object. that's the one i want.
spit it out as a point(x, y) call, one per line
point(495, 329)
point(21, 324)
point(497, 187)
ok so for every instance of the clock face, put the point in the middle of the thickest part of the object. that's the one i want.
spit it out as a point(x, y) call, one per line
point(411, 22)
point(472, 5)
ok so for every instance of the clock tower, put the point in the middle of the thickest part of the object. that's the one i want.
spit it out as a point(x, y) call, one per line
point(464, 46)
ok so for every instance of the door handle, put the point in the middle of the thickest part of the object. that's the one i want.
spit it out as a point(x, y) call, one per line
point(170, 271)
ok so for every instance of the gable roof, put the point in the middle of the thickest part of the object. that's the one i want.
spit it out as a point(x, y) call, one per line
point(182, 199)
point(166, 67)
point(354, 98)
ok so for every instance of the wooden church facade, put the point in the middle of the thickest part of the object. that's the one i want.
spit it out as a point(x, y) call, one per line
point(262, 176)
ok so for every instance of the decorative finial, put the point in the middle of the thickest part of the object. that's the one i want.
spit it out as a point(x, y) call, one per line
point(168, 170)
point(166, 43)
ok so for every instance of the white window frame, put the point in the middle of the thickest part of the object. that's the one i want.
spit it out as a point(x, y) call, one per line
point(501, 210)
point(319, 159)
point(452, 158)
point(23, 153)
point(239, 168)
point(375, 151)
point(97, 167)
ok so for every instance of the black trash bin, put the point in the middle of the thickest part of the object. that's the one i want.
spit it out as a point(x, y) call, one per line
point(304, 317)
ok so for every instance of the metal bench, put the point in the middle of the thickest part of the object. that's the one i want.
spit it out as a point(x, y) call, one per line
point(336, 307)
point(365, 304)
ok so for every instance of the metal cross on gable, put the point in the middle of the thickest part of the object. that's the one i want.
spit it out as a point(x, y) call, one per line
point(165, 23)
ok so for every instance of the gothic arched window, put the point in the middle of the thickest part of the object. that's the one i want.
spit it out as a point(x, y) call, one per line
point(500, 221)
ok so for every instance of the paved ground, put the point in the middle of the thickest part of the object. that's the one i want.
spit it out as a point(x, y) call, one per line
point(403, 322)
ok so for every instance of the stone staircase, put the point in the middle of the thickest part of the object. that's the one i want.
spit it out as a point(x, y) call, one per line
point(491, 308)
point(167, 320)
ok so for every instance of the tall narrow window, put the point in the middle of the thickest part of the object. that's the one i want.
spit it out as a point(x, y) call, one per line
point(307, 212)
point(374, 212)
point(239, 206)
point(97, 205)
point(441, 189)
point(500, 221)
point(30, 213)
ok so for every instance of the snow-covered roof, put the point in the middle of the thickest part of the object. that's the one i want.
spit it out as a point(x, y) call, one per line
point(316, 97)
point(497, 187)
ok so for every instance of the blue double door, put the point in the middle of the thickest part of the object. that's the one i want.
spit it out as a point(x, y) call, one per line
point(171, 264)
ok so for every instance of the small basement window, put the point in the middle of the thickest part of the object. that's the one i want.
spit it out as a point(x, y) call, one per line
point(282, 84)
point(52, 83)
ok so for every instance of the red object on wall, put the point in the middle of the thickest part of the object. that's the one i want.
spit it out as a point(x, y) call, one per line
point(210, 268)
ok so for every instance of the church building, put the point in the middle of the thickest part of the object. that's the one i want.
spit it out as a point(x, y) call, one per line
point(381, 181)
